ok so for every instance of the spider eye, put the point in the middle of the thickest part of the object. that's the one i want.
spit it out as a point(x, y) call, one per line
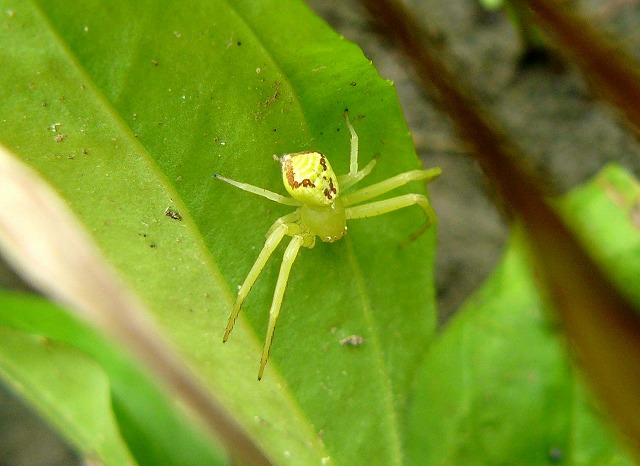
point(309, 178)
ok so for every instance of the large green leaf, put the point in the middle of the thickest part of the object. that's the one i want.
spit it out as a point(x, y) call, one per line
point(128, 108)
point(498, 386)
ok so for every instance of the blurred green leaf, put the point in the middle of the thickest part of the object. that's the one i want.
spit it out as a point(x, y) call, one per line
point(127, 109)
point(101, 400)
point(498, 386)
point(614, 239)
point(69, 388)
point(491, 4)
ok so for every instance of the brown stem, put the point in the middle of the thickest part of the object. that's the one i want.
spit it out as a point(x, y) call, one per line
point(611, 70)
point(601, 324)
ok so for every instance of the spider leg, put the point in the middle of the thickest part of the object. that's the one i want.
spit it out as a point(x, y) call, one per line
point(290, 255)
point(290, 220)
point(387, 185)
point(272, 241)
point(395, 203)
point(353, 159)
point(279, 198)
point(346, 181)
point(354, 175)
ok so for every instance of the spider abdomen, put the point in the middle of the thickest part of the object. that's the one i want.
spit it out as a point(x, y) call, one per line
point(309, 178)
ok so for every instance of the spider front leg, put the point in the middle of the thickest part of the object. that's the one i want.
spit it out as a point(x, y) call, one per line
point(276, 233)
point(279, 198)
point(289, 258)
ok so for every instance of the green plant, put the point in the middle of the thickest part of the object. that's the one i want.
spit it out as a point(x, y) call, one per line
point(146, 105)
point(126, 110)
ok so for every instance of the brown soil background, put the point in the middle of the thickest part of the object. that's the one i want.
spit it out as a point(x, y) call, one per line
point(568, 135)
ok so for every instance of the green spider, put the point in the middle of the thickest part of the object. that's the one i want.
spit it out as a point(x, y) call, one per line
point(322, 211)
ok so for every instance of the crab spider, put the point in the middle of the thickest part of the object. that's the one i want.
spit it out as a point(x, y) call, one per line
point(321, 210)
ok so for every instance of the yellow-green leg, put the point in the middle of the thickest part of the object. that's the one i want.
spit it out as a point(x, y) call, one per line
point(395, 203)
point(353, 159)
point(279, 198)
point(270, 245)
point(351, 178)
point(289, 258)
point(390, 184)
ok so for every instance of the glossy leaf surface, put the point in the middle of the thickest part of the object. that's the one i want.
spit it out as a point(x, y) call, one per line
point(128, 109)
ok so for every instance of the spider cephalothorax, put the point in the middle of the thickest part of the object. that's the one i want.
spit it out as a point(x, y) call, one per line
point(322, 211)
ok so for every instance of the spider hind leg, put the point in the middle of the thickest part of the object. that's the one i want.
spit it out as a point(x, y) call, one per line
point(385, 206)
